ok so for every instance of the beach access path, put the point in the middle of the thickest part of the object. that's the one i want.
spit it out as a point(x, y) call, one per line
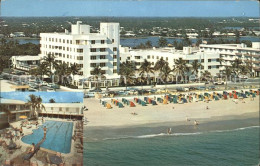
point(99, 116)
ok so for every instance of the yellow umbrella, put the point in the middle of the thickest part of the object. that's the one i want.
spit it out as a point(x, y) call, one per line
point(23, 117)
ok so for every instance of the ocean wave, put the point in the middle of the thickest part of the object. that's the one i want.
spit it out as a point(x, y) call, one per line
point(242, 128)
point(153, 135)
point(177, 134)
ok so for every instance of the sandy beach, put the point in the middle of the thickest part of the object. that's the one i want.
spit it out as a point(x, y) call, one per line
point(99, 116)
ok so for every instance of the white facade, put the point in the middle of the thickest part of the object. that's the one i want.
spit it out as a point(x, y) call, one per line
point(26, 62)
point(230, 52)
point(86, 49)
point(209, 61)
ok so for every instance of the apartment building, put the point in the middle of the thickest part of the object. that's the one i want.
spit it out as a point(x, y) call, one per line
point(230, 52)
point(86, 49)
point(209, 61)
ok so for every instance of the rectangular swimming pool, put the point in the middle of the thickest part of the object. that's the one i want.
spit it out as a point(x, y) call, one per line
point(58, 137)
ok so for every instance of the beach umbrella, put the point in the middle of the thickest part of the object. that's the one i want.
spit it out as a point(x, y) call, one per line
point(23, 117)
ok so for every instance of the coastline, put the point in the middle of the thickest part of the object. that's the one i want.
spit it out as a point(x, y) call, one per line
point(99, 116)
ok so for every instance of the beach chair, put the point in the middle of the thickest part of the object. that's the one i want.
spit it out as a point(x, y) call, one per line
point(165, 101)
point(224, 96)
point(235, 96)
point(120, 105)
point(132, 104)
point(154, 102)
point(143, 103)
point(108, 106)
point(184, 100)
point(253, 94)
point(175, 100)
point(216, 98)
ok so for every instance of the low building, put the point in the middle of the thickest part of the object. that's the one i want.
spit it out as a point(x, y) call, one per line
point(63, 110)
point(11, 110)
point(25, 62)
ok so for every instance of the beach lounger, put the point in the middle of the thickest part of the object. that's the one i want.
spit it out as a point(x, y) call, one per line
point(224, 96)
point(132, 104)
point(235, 96)
point(175, 100)
point(143, 103)
point(120, 105)
point(216, 98)
point(184, 100)
point(108, 106)
point(165, 101)
point(154, 102)
point(253, 94)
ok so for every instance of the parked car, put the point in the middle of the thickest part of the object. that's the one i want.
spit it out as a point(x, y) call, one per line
point(89, 94)
point(122, 92)
point(50, 90)
point(201, 88)
point(95, 90)
point(211, 88)
point(192, 88)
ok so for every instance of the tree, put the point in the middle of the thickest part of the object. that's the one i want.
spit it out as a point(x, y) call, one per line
point(180, 67)
point(148, 44)
point(195, 66)
point(127, 69)
point(162, 42)
point(236, 66)
point(36, 103)
point(206, 75)
point(50, 60)
point(52, 101)
point(145, 69)
point(227, 73)
point(63, 71)
point(4, 109)
point(165, 71)
point(97, 73)
point(74, 69)
point(159, 64)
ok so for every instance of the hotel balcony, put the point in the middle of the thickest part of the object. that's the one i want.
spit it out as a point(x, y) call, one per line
point(99, 53)
point(98, 60)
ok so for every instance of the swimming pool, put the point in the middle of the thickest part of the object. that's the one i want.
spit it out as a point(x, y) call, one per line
point(58, 137)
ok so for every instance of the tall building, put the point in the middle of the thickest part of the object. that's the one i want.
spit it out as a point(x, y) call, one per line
point(86, 49)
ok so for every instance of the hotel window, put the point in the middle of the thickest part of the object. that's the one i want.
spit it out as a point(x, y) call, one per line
point(80, 65)
point(114, 64)
point(114, 56)
point(157, 57)
point(115, 71)
point(153, 56)
point(93, 41)
point(60, 40)
point(63, 48)
point(63, 40)
point(113, 40)
point(93, 64)
point(209, 60)
point(137, 57)
point(63, 55)
point(93, 50)
point(67, 56)
point(52, 39)
point(68, 49)
point(52, 108)
point(148, 57)
point(49, 39)
point(79, 57)
point(102, 49)
point(114, 49)
point(81, 73)
point(202, 60)
point(152, 63)
point(60, 108)
point(102, 64)
point(56, 40)
point(102, 41)
point(93, 57)
point(167, 59)
point(102, 56)
point(80, 50)
point(209, 67)
point(217, 66)
point(68, 41)
point(77, 41)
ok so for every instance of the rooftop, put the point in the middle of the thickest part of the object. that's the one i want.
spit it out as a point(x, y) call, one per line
point(11, 101)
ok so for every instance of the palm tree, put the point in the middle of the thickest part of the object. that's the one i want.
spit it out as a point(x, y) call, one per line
point(206, 75)
point(97, 73)
point(162, 42)
point(180, 68)
point(74, 69)
point(227, 72)
point(236, 66)
point(165, 72)
point(127, 69)
point(63, 71)
point(195, 65)
point(36, 103)
point(52, 101)
point(145, 69)
point(50, 60)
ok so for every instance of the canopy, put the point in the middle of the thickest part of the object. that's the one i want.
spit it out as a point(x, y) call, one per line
point(23, 117)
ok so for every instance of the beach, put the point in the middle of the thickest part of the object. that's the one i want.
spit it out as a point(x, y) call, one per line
point(99, 116)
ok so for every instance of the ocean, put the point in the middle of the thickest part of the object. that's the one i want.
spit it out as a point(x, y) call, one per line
point(221, 143)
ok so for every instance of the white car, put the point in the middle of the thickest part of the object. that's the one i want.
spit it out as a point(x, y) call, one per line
point(50, 90)
point(218, 82)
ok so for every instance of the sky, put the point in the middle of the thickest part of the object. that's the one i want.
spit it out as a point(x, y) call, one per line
point(130, 8)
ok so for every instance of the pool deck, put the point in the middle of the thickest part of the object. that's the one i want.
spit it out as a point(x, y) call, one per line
point(70, 158)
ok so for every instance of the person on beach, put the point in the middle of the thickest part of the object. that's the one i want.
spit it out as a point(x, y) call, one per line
point(207, 107)
point(32, 148)
point(44, 131)
point(36, 124)
point(21, 131)
point(196, 123)
point(187, 119)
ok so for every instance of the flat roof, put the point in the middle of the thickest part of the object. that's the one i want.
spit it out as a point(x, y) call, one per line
point(63, 104)
point(229, 46)
point(11, 101)
point(27, 58)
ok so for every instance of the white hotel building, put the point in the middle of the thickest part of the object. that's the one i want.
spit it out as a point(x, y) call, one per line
point(86, 49)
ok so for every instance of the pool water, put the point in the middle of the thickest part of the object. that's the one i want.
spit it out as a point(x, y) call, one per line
point(58, 137)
